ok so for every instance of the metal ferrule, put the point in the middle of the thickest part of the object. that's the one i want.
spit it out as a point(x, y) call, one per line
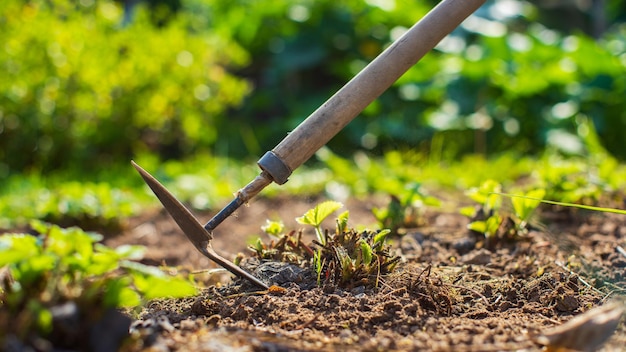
point(275, 167)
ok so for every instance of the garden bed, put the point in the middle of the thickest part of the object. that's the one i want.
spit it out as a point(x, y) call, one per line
point(447, 294)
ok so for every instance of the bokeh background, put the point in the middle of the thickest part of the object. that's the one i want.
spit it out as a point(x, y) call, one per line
point(90, 84)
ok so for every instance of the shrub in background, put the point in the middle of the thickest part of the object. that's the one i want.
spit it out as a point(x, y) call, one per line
point(81, 88)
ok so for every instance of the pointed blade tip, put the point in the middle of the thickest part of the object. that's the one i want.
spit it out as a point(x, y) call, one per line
point(149, 179)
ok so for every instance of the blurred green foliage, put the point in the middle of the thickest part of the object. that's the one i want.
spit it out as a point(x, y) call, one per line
point(502, 80)
point(53, 267)
point(91, 84)
point(79, 88)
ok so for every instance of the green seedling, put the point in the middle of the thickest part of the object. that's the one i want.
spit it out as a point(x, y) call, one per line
point(486, 196)
point(273, 228)
point(317, 215)
point(496, 222)
point(572, 181)
point(345, 257)
point(88, 205)
point(488, 227)
point(58, 266)
point(287, 248)
point(485, 217)
point(342, 221)
point(524, 208)
point(351, 258)
point(405, 211)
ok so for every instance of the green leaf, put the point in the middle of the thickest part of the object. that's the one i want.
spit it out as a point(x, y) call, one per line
point(342, 221)
point(273, 228)
point(33, 269)
point(478, 226)
point(469, 211)
point(15, 248)
point(43, 315)
point(524, 207)
point(152, 287)
point(130, 252)
point(345, 262)
point(489, 227)
point(118, 292)
point(431, 201)
point(380, 213)
point(486, 194)
point(366, 253)
point(492, 225)
point(258, 245)
point(39, 226)
point(317, 215)
point(143, 269)
point(71, 241)
point(379, 238)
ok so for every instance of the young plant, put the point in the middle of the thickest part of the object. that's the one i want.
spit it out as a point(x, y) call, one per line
point(494, 221)
point(404, 211)
point(60, 268)
point(488, 227)
point(317, 215)
point(349, 258)
point(571, 180)
point(485, 219)
point(524, 207)
point(287, 248)
point(273, 228)
point(352, 259)
point(346, 258)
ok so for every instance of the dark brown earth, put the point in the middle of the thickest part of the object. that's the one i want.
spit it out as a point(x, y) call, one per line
point(448, 294)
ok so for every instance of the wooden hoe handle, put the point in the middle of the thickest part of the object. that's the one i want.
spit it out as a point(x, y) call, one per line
point(324, 123)
point(369, 84)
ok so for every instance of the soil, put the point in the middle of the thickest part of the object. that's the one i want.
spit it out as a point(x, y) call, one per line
point(449, 293)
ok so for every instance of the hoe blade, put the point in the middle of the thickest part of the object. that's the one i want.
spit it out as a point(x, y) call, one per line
point(194, 231)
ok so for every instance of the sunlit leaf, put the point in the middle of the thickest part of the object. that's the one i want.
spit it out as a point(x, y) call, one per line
point(492, 225)
point(478, 226)
point(152, 287)
point(17, 247)
point(321, 211)
point(380, 236)
point(468, 211)
point(366, 252)
point(142, 268)
point(42, 315)
point(118, 292)
point(342, 221)
point(130, 252)
point(524, 207)
point(273, 228)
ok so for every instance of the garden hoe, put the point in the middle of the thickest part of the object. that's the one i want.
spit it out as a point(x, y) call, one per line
point(323, 124)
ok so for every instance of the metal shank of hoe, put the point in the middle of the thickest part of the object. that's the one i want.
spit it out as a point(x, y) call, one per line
point(243, 195)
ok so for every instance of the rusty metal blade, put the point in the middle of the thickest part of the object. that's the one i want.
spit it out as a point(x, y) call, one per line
point(194, 231)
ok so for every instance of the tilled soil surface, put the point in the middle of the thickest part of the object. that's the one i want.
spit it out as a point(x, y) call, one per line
point(448, 293)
